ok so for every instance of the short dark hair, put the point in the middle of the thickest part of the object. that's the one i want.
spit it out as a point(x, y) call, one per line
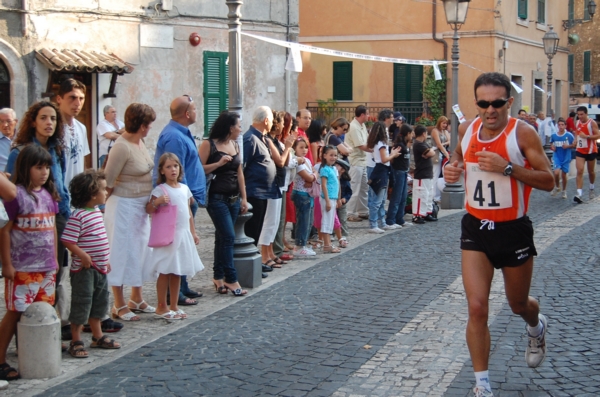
point(360, 110)
point(385, 114)
point(493, 79)
point(582, 109)
point(572, 114)
point(420, 130)
point(137, 115)
point(561, 119)
point(69, 85)
point(85, 185)
point(314, 132)
point(221, 128)
point(522, 110)
point(30, 156)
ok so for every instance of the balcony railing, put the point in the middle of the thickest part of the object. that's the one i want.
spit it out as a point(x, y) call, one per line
point(328, 112)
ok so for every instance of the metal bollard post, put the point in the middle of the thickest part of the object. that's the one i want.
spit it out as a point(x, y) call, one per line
point(39, 342)
point(246, 258)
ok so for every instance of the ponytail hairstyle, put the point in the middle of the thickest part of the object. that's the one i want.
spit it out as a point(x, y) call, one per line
point(402, 136)
point(326, 149)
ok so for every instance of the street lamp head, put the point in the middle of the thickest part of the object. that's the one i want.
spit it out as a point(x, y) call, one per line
point(592, 8)
point(550, 40)
point(456, 12)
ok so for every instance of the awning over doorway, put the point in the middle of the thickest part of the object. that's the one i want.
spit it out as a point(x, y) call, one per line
point(76, 61)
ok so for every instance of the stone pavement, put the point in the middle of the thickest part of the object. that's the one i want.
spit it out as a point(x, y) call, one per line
point(385, 318)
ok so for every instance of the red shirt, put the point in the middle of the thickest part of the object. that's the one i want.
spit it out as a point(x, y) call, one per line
point(570, 124)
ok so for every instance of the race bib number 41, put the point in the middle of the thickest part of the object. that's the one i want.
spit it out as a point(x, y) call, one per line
point(487, 190)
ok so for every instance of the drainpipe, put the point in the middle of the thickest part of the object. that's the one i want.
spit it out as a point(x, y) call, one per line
point(24, 27)
point(434, 31)
point(288, 74)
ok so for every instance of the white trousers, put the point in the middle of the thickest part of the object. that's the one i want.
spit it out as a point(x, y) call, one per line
point(327, 217)
point(422, 199)
point(358, 203)
point(271, 222)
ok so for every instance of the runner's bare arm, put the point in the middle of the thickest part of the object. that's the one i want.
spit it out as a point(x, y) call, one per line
point(540, 177)
point(455, 166)
point(595, 133)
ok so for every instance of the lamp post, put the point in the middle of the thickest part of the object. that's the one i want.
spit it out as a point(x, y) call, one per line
point(453, 195)
point(235, 56)
point(570, 23)
point(550, 40)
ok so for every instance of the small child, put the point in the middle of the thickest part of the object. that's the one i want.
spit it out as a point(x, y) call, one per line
point(85, 237)
point(28, 244)
point(179, 258)
point(343, 167)
point(330, 188)
point(303, 202)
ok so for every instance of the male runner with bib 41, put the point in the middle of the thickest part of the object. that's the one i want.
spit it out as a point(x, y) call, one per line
point(502, 159)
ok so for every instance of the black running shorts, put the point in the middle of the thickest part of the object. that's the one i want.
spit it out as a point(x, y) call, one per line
point(506, 244)
point(587, 157)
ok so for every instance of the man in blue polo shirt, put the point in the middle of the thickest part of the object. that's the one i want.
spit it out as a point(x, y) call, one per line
point(176, 138)
point(259, 172)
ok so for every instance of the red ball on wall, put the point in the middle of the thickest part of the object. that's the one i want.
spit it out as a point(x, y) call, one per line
point(195, 39)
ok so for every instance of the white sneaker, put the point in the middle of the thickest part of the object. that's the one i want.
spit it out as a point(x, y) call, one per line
point(304, 251)
point(578, 199)
point(479, 391)
point(592, 194)
point(555, 191)
point(406, 224)
point(536, 348)
point(390, 227)
point(376, 231)
point(564, 195)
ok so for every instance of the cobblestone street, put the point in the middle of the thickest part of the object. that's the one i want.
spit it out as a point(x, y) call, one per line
point(384, 318)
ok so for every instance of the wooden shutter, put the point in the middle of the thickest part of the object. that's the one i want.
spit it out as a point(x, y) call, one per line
point(541, 14)
point(571, 64)
point(408, 83)
point(571, 9)
point(587, 66)
point(342, 81)
point(586, 14)
point(216, 87)
point(522, 9)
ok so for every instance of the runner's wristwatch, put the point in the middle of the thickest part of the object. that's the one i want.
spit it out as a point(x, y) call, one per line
point(508, 170)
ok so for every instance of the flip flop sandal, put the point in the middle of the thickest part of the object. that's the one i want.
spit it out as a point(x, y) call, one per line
point(273, 264)
point(187, 302)
point(77, 350)
point(104, 343)
point(279, 261)
point(5, 370)
point(169, 316)
point(182, 314)
point(193, 294)
point(328, 249)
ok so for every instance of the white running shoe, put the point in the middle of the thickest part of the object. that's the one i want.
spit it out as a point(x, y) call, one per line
point(592, 194)
point(578, 199)
point(479, 391)
point(564, 195)
point(390, 227)
point(555, 191)
point(304, 251)
point(406, 224)
point(536, 348)
point(376, 231)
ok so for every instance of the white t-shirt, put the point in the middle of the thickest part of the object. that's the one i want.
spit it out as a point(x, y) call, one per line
point(298, 181)
point(370, 159)
point(76, 148)
point(104, 143)
point(377, 153)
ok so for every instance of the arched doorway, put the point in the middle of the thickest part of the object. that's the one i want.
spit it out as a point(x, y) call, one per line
point(4, 86)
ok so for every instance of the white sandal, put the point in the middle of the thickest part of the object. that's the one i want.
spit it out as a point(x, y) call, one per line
point(129, 316)
point(343, 242)
point(169, 316)
point(137, 309)
point(181, 313)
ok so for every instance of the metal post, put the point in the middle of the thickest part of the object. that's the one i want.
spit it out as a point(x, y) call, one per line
point(453, 195)
point(235, 56)
point(547, 149)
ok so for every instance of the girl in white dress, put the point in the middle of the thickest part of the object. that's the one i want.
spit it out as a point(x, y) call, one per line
point(179, 258)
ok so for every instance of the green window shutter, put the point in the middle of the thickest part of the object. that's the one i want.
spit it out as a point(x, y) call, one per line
point(587, 66)
point(571, 9)
point(408, 83)
point(586, 14)
point(571, 67)
point(541, 16)
point(522, 9)
point(342, 81)
point(216, 87)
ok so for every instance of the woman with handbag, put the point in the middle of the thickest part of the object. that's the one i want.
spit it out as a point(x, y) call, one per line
point(378, 181)
point(220, 156)
point(174, 254)
point(129, 184)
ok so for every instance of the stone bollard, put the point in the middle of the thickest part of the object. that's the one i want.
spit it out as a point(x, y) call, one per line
point(246, 258)
point(39, 342)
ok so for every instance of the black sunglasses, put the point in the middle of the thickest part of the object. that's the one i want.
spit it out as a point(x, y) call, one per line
point(496, 104)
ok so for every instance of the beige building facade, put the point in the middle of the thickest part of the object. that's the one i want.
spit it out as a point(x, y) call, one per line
point(497, 36)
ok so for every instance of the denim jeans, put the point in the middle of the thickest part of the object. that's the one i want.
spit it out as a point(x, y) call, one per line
point(224, 214)
point(371, 193)
point(304, 210)
point(377, 208)
point(395, 212)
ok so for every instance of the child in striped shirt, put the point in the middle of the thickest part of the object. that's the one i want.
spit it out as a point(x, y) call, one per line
point(85, 237)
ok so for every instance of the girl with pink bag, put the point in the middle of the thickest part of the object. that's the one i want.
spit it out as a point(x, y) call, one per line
point(175, 255)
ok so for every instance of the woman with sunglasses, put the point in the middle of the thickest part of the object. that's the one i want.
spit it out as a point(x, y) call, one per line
point(334, 137)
